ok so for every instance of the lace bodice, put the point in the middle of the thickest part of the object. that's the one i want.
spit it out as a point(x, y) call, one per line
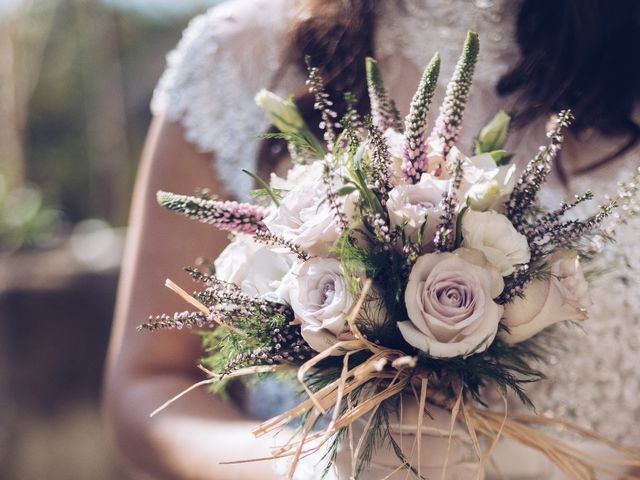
point(229, 53)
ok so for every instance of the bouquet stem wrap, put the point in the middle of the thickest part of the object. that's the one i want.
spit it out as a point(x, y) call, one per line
point(388, 373)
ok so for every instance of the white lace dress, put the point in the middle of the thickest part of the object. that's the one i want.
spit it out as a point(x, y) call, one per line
point(229, 53)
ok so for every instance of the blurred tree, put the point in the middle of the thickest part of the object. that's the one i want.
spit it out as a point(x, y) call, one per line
point(24, 32)
point(79, 76)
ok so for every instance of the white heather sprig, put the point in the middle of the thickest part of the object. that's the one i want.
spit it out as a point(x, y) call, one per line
point(383, 109)
point(225, 215)
point(414, 155)
point(447, 126)
point(323, 104)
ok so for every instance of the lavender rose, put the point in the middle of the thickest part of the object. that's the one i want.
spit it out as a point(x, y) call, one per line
point(562, 296)
point(320, 298)
point(449, 299)
point(414, 204)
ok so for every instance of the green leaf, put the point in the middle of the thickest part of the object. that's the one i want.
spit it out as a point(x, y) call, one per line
point(501, 157)
point(346, 190)
point(266, 187)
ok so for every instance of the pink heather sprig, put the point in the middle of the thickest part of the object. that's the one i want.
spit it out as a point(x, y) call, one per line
point(414, 155)
point(225, 215)
point(383, 109)
point(449, 121)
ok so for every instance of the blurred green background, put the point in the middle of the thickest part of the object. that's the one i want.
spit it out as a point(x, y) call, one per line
point(76, 77)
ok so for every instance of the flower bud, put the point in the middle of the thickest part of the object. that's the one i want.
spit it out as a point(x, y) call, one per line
point(282, 113)
point(494, 135)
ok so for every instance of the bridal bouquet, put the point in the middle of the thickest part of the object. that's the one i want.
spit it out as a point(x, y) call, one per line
point(389, 262)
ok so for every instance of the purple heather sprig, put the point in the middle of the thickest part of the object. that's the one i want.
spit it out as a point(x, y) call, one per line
point(515, 284)
point(525, 193)
point(383, 109)
point(566, 234)
point(335, 201)
point(538, 231)
point(380, 162)
point(209, 280)
point(444, 238)
point(177, 321)
point(449, 121)
point(285, 345)
point(414, 155)
point(272, 239)
point(224, 215)
point(224, 300)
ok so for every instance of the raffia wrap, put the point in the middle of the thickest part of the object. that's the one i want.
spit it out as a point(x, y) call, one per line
point(388, 373)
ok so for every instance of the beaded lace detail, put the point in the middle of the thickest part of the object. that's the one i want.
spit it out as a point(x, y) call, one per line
point(224, 58)
point(231, 52)
point(418, 28)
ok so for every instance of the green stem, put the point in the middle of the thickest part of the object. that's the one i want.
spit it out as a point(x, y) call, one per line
point(264, 185)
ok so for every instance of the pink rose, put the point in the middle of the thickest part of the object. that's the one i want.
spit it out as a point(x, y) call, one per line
point(562, 296)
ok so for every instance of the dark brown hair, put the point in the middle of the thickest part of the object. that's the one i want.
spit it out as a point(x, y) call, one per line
point(578, 54)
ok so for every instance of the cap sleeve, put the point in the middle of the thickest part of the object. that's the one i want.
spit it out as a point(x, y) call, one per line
point(224, 57)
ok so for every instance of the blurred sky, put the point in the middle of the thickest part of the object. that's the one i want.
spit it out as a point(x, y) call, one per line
point(150, 7)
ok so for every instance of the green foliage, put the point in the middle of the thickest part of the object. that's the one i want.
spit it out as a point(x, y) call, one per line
point(265, 190)
point(305, 144)
point(25, 218)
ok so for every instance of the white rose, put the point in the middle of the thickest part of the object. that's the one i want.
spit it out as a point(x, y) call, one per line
point(298, 174)
point(449, 299)
point(321, 300)
point(257, 269)
point(495, 236)
point(483, 196)
point(413, 204)
point(485, 184)
point(232, 265)
point(562, 296)
point(306, 217)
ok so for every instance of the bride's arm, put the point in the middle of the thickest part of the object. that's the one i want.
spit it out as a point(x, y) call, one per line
point(191, 437)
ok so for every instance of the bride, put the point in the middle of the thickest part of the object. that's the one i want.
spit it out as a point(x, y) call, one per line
point(537, 56)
